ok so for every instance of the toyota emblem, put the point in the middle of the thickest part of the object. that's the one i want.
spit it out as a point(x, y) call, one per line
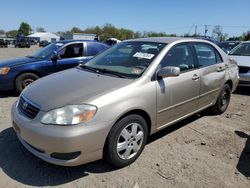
point(24, 105)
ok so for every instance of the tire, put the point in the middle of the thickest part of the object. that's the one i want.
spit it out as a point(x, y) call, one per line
point(222, 100)
point(24, 80)
point(131, 134)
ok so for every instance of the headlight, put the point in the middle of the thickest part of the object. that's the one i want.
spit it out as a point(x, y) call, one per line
point(4, 70)
point(69, 115)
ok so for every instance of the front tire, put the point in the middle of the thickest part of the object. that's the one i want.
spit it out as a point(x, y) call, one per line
point(24, 80)
point(126, 141)
point(222, 100)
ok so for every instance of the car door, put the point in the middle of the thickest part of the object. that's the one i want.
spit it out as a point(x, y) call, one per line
point(70, 56)
point(212, 72)
point(178, 96)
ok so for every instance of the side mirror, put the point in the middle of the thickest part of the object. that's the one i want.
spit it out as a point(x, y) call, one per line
point(54, 56)
point(168, 72)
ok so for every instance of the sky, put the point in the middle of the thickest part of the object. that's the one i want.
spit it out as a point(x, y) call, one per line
point(170, 16)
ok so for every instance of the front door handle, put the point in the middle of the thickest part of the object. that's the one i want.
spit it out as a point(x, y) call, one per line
point(195, 77)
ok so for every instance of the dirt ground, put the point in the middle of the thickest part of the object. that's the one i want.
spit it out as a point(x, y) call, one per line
point(202, 151)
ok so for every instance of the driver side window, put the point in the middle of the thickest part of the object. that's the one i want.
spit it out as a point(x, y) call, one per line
point(71, 51)
point(179, 56)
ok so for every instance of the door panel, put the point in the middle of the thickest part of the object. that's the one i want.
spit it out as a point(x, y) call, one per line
point(177, 96)
point(211, 82)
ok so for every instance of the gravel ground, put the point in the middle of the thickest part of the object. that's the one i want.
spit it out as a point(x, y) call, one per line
point(201, 151)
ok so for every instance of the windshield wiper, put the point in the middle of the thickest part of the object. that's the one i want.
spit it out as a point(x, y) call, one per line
point(103, 71)
point(88, 68)
point(120, 75)
point(29, 56)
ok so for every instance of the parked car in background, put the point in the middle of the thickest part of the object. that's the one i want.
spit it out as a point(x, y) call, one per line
point(3, 43)
point(43, 43)
point(227, 46)
point(109, 106)
point(23, 42)
point(241, 54)
point(19, 73)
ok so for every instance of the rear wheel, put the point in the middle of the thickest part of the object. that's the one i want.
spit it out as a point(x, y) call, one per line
point(24, 80)
point(222, 100)
point(126, 141)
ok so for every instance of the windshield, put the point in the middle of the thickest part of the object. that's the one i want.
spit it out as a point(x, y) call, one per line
point(46, 51)
point(129, 59)
point(242, 49)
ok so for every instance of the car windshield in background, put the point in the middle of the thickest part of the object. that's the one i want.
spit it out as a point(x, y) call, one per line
point(241, 50)
point(127, 59)
point(46, 51)
point(227, 46)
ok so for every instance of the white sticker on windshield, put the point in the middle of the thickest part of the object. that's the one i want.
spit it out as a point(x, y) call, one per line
point(143, 55)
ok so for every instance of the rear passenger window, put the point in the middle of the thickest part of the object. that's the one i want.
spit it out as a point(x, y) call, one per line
point(206, 55)
point(179, 56)
point(94, 49)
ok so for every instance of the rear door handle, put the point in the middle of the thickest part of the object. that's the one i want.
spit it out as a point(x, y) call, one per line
point(220, 69)
point(195, 77)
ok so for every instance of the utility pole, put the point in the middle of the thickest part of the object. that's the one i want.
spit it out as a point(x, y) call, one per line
point(195, 33)
point(206, 30)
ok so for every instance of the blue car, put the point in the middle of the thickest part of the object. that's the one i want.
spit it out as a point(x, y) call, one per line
point(18, 73)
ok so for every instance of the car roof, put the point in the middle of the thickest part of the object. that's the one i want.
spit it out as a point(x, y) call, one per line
point(68, 41)
point(166, 40)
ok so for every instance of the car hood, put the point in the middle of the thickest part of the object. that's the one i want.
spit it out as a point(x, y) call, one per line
point(72, 86)
point(15, 62)
point(241, 60)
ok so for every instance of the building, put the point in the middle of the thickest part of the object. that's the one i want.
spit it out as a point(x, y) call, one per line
point(40, 36)
point(79, 36)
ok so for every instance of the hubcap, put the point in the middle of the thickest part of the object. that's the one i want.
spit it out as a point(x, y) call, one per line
point(26, 82)
point(129, 141)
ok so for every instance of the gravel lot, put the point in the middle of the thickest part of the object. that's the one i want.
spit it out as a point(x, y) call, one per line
point(202, 151)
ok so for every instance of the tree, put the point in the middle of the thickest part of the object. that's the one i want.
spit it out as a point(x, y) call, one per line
point(40, 29)
point(25, 28)
point(2, 32)
point(246, 36)
point(218, 33)
point(76, 30)
point(12, 33)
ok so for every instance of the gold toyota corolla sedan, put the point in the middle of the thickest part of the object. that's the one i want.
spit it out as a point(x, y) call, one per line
point(108, 107)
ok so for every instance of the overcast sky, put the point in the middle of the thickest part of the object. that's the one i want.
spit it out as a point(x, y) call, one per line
point(170, 16)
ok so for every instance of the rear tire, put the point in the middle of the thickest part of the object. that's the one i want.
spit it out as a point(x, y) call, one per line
point(222, 100)
point(24, 80)
point(126, 141)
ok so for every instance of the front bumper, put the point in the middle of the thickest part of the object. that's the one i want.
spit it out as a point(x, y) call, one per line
point(46, 140)
point(244, 73)
point(244, 79)
point(6, 83)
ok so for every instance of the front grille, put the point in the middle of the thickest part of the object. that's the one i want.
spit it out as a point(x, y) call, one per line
point(27, 108)
point(243, 69)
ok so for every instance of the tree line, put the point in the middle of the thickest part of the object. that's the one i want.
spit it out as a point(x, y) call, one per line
point(110, 31)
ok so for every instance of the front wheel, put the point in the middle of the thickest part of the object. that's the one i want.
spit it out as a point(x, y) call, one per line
point(24, 80)
point(222, 100)
point(126, 141)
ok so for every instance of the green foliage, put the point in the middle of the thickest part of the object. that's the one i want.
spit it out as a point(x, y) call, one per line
point(12, 33)
point(2, 31)
point(110, 31)
point(40, 29)
point(25, 28)
point(246, 36)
